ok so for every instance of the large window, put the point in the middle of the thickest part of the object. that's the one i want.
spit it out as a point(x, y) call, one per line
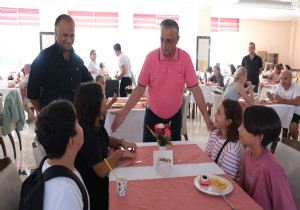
point(18, 46)
point(225, 42)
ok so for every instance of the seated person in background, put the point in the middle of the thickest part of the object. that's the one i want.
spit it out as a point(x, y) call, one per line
point(236, 89)
point(23, 90)
point(217, 78)
point(61, 136)
point(103, 69)
point(93, 67)
point(287, 67)
point(100, 80)
point(21, 75)
point(232, 70)
point(288, 92)
point(223, 145)
point(262, 177)
point(90, 105)
point(275, 74)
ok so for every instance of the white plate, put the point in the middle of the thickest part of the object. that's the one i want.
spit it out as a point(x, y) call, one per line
point(118, 105)
point(211, 190)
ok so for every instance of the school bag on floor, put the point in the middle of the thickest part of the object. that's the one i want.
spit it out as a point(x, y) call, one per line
point(32, 192)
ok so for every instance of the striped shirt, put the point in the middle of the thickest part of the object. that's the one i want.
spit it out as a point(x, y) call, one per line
point(230, 157)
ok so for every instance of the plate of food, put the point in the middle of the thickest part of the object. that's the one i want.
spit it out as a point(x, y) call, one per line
point(144, 104)
point(118, 105)
point(213, 184)
point(143, 98)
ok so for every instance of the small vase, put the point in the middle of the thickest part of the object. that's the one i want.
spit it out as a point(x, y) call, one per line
point(162, 148)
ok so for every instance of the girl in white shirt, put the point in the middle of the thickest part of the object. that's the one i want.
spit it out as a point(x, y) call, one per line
point(223, 145)
point(93, 67)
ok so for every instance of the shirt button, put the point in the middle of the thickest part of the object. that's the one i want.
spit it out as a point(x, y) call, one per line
point(71, 79)
point(73, 90)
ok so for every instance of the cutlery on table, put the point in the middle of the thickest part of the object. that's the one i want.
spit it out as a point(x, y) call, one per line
point(131, 163)
point(220, 192)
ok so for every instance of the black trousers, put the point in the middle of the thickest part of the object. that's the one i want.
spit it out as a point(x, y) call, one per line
point(125, 81)
point(152, 119)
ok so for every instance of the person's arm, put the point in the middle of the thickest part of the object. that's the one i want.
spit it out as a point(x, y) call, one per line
point(115, 142)
point(122, 73)
point(294, 101)
point(121, 114)
point(101, 169)
point(241, 90)
point(36, 104)
point(112, 101)
point(198, 95)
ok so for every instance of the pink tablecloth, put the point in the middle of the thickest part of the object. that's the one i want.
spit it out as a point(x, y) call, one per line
point(175, 193)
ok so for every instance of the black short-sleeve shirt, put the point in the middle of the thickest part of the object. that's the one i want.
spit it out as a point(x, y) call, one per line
point(252, 67)
point(219, 79)
point(52, 77)
point(92, 152)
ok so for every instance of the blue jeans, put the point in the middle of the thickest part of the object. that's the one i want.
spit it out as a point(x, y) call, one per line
point(151, 119)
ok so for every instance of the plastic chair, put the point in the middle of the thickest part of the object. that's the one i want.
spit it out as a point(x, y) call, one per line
point(184, 112)
point(10, 185)
point(288, 153)
point(216, 97)
point(38, 151)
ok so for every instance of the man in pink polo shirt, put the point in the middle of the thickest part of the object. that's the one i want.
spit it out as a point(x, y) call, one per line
point(166, 70)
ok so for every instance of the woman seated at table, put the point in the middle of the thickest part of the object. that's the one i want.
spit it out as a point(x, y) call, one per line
point(262, 177)
point(217, 78)
point(274, 76)
point(236, 89)
point(90, 105)
point(223, 145)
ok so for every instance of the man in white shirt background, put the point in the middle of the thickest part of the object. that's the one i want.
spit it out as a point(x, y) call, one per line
point(125, 73)
point(288, 92)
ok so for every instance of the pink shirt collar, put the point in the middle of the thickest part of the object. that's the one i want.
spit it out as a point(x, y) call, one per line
point(162, 57)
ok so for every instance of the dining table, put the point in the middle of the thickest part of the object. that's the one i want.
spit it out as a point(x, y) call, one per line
point(5, 89)
point(132, 128)
point(148, 189)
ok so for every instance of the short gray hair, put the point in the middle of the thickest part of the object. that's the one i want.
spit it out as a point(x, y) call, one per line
point(170, 24)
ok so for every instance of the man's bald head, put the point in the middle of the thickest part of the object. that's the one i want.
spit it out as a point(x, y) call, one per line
point(286, 73)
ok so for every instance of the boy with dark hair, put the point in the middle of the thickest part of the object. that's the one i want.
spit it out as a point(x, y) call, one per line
point(61, 136)
point(262, 177)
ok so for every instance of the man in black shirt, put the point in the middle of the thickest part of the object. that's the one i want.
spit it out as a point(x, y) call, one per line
point(57, 71)
point(254, 65)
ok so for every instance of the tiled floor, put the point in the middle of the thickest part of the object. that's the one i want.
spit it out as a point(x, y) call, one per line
point(197, 132)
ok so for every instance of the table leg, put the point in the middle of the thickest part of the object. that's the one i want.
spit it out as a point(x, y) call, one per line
point(193, 111)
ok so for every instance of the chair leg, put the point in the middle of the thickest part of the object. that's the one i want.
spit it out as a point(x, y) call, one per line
point(19, 137)
point(3, 146)
point(13, 144)
point(186, 137)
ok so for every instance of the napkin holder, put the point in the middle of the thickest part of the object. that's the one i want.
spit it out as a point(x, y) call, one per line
point(163, 161)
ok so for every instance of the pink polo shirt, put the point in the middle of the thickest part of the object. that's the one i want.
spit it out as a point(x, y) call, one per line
point(166, 79)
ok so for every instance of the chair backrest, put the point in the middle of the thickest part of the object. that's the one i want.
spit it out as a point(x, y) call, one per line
point(111, 88)
point(288, 154)
point(10, 185)
point(184, 111)
point(229, 80)
point(216, 97)
point(38, 153)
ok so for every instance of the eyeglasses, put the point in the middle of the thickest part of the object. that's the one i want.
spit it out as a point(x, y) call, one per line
point(167, 41)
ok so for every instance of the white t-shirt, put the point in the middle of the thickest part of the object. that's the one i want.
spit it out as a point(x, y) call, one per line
point(93, 67)
point(62, 193)
point(124, 60)
point(291, 93)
